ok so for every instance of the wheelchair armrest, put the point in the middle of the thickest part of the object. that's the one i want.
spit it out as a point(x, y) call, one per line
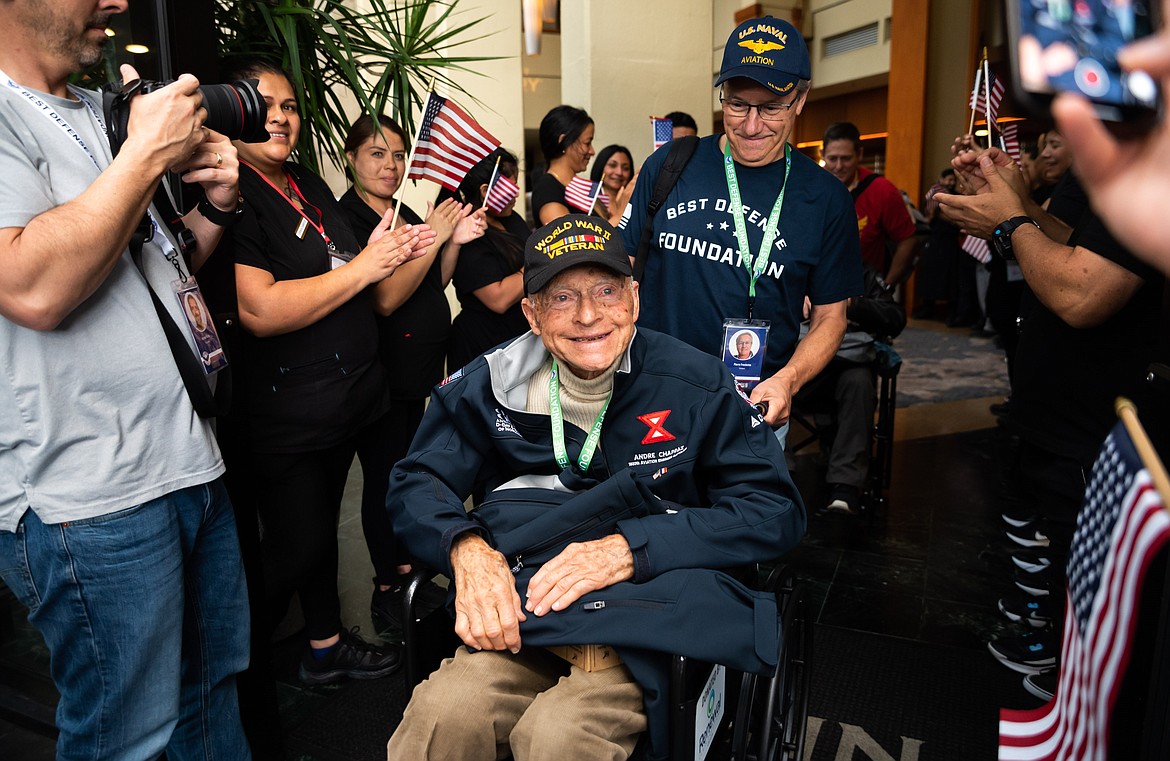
point(425, 640)
point(410, 644)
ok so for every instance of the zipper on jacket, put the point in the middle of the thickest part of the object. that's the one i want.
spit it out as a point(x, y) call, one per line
point(644, 604)
point(571, 532)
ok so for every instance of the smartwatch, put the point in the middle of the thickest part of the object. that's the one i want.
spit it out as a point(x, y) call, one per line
point(1001, 237)
point(219, 216)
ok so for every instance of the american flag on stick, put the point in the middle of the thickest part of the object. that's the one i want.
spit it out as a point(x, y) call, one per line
point(991, 93)
point(661, 131)
point(449, 143)
point(1122, 525)
point(581, 194)
point(1009, 136)
point(501, 193)
point(976, 247)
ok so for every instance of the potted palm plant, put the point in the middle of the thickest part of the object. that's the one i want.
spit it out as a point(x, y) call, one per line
point(386, 54)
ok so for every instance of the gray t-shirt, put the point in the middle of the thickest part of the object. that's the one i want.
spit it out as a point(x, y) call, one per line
point(94, 417)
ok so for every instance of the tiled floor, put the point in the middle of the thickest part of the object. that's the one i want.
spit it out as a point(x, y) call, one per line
point(928, 569)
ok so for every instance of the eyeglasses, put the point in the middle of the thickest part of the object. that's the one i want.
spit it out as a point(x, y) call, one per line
point(605, 295)
point(771, 112)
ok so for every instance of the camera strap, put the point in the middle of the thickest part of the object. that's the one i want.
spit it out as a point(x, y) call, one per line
point(190, 368)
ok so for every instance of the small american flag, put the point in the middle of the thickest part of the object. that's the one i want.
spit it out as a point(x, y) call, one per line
point(978, 100)
point(661, 131)
point(976, 247)
point(581, 194)
point(931, 205)
point(1010, 134)
point(449, 143)
point(1122, 525)
point(502, 192)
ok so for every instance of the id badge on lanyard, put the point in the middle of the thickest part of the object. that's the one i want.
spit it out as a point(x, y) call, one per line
point(745, 344)
point(337, 257)
point(207, 343)
point(745, 341)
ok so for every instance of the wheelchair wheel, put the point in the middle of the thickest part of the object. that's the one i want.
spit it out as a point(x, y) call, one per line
point(772, 714)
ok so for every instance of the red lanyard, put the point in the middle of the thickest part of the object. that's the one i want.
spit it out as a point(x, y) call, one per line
point(318, 226)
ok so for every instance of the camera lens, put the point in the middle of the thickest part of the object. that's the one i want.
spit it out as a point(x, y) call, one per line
point(236, 110)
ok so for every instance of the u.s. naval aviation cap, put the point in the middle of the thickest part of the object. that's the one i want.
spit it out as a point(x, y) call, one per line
point(568, 241)
point(766, 50)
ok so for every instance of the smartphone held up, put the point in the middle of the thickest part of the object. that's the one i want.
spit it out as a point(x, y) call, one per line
point(1071, 46)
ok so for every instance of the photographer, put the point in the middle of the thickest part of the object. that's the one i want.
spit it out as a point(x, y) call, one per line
point(115, 529)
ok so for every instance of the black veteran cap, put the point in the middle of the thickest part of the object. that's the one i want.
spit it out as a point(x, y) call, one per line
point(766, 50)
point(566, 242)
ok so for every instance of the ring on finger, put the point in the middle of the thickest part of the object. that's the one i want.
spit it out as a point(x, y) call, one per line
point(218, 160)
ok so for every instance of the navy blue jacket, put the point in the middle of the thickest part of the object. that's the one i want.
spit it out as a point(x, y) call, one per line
point(686, 470)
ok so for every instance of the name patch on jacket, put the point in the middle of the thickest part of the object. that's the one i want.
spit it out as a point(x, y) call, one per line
point(504, 423)
point(654, 458)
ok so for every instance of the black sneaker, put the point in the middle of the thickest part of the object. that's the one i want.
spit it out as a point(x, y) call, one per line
point(844, 499)
point(1031, 561)
point(1039, 584)
point(351, 657)
point(1036, 612)
point(1028, 535)
point(1027, 654)
point(1043, 685)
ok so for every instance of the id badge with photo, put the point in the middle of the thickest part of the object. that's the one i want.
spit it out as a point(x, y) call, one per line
point(745, 344)
point(199, 322)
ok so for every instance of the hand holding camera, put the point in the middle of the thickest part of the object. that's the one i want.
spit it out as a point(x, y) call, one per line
point(180, 116)
point(214, 165)
point(165, 127)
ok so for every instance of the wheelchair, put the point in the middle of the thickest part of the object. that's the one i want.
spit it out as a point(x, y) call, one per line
point(819, 422)
point(716, 713)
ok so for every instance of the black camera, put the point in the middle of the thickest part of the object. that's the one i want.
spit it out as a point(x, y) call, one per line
point(236, 110)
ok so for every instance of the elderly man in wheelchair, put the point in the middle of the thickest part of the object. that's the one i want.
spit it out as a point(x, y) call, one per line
point(594, 550)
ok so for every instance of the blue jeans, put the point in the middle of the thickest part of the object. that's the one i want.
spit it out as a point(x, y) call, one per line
point(145, 614)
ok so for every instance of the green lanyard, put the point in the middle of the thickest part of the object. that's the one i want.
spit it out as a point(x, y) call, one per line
point(558, 426)
point(754, 268)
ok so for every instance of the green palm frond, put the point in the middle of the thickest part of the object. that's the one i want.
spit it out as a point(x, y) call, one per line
point(385, 55)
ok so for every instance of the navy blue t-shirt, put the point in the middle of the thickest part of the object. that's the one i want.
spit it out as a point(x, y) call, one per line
point(694, 277)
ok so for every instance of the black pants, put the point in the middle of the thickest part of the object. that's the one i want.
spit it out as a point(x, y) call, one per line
point(1003, 309)
point(848, 388)
point(298, 496)
point(378, 452)
point(1054, 486)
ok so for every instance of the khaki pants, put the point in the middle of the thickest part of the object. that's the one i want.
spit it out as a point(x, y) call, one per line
point(533, 705)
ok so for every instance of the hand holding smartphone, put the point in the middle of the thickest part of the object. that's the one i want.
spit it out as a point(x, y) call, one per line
point(1071, 46)
point(1125, 174)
